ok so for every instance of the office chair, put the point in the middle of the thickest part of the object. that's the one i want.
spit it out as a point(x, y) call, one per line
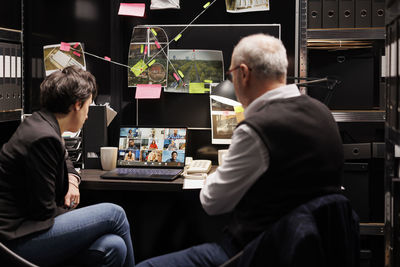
point(10, 258)
point(321, 233)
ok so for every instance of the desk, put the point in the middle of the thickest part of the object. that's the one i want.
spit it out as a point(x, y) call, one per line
point(163, 217)
point(91, 181)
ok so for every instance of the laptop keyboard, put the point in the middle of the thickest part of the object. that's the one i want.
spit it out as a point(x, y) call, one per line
point(147, 172)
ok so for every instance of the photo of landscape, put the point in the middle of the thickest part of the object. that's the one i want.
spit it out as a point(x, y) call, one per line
point(196, 66)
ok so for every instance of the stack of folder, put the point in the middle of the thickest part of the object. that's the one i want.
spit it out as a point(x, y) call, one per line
point(345, 13)
point(10, 77)
point(73, 144)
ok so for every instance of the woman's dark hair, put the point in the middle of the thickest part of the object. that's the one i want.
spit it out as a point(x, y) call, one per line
point(64, 88)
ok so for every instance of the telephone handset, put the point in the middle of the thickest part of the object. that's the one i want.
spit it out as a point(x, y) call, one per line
point(199, 166)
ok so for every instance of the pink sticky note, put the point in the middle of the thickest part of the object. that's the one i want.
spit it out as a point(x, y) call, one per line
point(226, 113)
point(130, 9)
point(76, 45)
point(176, 76)
point(157, 44)
point(65, 46)
point(145, 49)
point(107, 58)
point(76, 54)
point(148, 91)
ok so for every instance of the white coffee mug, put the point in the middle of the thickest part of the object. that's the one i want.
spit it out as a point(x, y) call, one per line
point(108, 158)
point(221, 154)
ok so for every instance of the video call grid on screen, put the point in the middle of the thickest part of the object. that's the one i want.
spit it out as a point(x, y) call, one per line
point(151, 146)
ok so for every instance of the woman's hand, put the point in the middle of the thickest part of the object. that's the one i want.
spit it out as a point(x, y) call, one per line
point(72, 198)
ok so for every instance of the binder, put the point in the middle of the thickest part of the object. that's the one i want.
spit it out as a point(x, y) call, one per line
point(346, 14)
point(330, 14)
point(363, 13)
point(13, 73)
point(378, 13)
point(1, 78)
point(7, 78)
point(19, 77)
point(392, 79)
point(314, 14)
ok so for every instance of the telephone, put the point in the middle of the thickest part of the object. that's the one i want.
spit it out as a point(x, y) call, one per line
point(199, 166)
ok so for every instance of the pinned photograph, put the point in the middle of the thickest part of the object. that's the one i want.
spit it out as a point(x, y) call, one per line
point(240, 6)
point(224, 119)
point(59, 56)
point(164, 4)
point(193, 71)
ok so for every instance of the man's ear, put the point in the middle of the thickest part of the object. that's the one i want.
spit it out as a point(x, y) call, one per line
point(245, 72)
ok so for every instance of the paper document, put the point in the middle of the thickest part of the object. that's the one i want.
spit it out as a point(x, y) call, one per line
point(193, 183)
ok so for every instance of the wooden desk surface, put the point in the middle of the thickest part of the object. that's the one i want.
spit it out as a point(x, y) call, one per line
point(91, 180)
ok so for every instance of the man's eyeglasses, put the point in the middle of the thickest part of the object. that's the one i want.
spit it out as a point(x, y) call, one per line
point(228, 74)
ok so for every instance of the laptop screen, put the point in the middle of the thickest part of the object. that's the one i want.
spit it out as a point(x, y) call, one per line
point(149, 146)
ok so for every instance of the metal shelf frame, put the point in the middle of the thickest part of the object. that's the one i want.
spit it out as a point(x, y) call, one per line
point(359, 34)
point(359, 116)
point(347, 34)
point(10, 35)
point(392, 137)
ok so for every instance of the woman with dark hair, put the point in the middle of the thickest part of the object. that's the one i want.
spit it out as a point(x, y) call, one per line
point(130, 133)
point(129, 156)
point(153, 145)
point(39, 188)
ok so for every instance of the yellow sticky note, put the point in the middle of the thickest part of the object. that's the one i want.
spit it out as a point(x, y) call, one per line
point(207, 81)
point(152, 62)
point(238, 109)
point(154, 32)
point(181, 74)
point(206, 5)
point(141, 49)
point(178, 37)
point(139, 68)
point(196, 88)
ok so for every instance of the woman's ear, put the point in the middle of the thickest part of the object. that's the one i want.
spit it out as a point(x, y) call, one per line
point(77, 105)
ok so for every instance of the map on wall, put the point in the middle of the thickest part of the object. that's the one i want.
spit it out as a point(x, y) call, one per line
point(148, 52)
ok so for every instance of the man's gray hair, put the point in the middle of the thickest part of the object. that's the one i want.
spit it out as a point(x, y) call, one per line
point(264, 54)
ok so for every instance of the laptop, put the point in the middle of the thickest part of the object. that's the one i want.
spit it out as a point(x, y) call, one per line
point(150, 153)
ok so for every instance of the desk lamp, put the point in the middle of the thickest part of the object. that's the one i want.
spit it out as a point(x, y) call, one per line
point(224, 92)
point(328, 83)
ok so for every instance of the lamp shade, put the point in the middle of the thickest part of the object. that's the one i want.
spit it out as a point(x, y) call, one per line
point(224, 92)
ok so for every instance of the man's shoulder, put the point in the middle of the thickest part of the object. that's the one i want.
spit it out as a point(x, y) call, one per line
point(287, 107)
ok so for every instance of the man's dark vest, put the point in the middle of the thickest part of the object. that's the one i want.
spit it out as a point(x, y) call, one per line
point(306, 161)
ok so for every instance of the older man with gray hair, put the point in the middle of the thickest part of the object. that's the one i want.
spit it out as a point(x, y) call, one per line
point(286, 152)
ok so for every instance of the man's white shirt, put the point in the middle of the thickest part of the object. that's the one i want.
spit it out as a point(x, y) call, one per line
point(247, 159)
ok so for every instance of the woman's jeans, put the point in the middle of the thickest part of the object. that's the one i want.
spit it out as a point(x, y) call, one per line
point(93, 235)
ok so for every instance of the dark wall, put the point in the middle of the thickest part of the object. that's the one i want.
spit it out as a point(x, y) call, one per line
point(51, 22)
point(10, 14)
point(96, 24)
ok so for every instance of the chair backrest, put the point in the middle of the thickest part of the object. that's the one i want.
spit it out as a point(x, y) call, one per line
point(10, 258)
point(321, 233)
